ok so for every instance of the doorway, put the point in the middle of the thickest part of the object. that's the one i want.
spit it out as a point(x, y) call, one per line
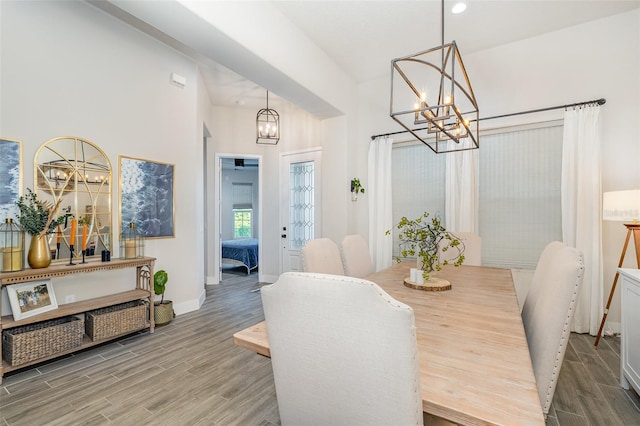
point(238, 201)
point(300, 204)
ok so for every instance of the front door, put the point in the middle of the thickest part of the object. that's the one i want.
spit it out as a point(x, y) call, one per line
point(300, 205)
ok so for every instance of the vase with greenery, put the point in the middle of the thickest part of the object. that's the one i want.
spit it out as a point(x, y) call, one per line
point(163, 309)
point(37, 218)
point(426, 240)
point(356, 188)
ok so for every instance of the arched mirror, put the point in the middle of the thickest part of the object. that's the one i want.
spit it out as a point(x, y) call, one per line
point(78, 173)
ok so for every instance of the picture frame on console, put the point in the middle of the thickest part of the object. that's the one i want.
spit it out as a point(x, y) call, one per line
point(31, 298)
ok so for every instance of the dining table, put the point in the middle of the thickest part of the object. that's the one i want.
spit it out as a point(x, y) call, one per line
point(475, 367)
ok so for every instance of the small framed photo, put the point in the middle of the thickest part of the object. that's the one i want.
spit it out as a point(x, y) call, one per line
point(31, 298)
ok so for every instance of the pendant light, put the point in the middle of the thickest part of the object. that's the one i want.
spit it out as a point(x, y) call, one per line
point(267, 125)
point(432, 98)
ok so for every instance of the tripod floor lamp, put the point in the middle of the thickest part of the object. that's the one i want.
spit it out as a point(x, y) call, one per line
point(621, 206)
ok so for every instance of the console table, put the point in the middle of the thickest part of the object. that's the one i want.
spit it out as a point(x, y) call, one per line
point(143, 290)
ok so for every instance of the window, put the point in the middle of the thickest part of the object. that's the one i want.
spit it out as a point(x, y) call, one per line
point(519, 195)
point(301, 200)
point(418, 184)
point(242, 223)
point(242, 210)
point(518, 198)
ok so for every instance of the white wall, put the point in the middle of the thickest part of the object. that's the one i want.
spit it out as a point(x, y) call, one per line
point(233, 133)
point(70, 69)
point(585, 62)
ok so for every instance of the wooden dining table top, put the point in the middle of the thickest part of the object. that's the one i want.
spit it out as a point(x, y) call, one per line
point(475, 367)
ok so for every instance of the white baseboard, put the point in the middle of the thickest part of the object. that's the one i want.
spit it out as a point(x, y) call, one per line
point(189, 305)
point(613, 326)
point(267, 278)
point(211, 280)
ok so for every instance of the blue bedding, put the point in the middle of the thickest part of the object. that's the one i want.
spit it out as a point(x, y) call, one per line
point(242, 252)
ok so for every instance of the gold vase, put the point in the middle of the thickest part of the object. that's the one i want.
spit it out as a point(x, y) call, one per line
point(39, 255)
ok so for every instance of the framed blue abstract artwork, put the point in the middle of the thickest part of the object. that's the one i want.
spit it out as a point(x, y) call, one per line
point(146, 197)
point(10, 177)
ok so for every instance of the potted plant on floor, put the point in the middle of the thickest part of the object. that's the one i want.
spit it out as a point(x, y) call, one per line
point(162, 310)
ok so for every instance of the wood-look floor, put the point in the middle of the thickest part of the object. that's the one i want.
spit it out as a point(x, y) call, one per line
point(190, 373)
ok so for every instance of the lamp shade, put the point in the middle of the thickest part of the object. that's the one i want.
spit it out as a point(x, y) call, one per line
point(623, 206)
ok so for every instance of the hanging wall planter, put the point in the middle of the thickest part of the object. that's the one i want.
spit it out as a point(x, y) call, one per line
point(356, 188)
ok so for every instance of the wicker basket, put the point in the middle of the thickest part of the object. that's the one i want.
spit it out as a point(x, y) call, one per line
point(42, 339)
point(116, 320)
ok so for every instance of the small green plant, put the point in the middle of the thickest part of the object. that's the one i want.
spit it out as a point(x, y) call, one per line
point(37, 217)
point(356, 186)
point(426, 240)
point(160, 279)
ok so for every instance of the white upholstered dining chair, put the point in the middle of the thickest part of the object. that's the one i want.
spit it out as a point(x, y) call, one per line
point(547, 313)
point(356, 259)
point(322, 255)
point(343, 352)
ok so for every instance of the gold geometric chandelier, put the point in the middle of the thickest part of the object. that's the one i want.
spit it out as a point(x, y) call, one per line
point(432, 98)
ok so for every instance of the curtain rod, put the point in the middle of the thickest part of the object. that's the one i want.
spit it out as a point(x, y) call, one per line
point(600, 101)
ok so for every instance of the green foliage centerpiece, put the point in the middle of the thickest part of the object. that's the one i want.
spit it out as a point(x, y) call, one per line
point(37, 218)
point(426, 240)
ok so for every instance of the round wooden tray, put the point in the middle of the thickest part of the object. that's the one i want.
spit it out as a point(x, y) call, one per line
point(432, 284)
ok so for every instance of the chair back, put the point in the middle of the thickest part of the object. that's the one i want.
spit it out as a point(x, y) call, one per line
point(343, 352)
point(322, 255)
point(547, 313)
point(472, 249)
point(356, 259)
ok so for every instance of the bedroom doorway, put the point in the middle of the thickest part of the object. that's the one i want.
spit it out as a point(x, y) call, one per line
point(239, 213)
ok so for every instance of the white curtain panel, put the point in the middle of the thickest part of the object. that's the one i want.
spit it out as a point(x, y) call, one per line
point(582, 209)
point(380, 202)
point(461, 182)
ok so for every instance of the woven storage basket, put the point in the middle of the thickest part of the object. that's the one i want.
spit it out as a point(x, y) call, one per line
point(42, 339)
point(115, 320)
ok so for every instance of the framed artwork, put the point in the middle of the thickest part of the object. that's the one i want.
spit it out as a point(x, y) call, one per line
point(146, 197)
point(10, 177)
point(31, 298)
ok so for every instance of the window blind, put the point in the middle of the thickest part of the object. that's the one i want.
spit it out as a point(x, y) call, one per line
point(519, 191)
point(418, 177)
point(242, 195)
point(519, 195)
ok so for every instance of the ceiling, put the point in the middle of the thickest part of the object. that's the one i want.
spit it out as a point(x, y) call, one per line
point(362, 37)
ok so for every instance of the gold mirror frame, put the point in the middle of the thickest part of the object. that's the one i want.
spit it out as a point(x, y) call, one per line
point(77, 172)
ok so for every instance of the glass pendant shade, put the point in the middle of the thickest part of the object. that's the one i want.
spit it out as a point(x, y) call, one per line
point(12, 246)
point(432, 98)
point(267, 125)
point(131, 243)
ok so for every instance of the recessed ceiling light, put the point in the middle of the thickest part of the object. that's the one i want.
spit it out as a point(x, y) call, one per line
point(459, 7)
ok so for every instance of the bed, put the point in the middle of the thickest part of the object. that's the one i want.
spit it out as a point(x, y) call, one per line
point(243, 252)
